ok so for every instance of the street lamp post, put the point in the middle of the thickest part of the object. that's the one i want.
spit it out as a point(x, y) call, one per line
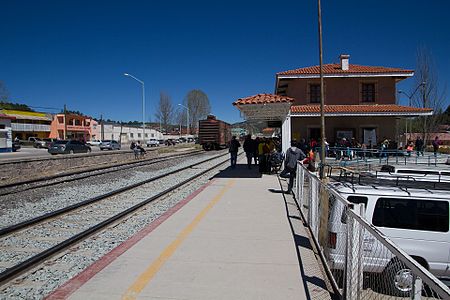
point(410, 99)
point(143, 103)
point(187, 119)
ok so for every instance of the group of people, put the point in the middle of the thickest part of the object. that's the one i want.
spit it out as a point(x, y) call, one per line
point(267, 151)
point(264, 152)
point(419, 146)
point(138, 149)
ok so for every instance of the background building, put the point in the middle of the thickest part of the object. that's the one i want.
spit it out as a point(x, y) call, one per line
point(124, 133)
point(27, 124)
point(5, 133)
point(71, 126)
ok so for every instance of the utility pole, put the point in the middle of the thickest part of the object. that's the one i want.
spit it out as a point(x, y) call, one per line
point(424, 99)
point(65, 122)
point(102, 131)
point(322, 96)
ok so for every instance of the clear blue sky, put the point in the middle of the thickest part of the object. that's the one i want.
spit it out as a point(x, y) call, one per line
point(75, 52)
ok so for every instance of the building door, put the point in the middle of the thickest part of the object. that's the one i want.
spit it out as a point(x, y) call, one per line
point(314, 133)
point(370, 136)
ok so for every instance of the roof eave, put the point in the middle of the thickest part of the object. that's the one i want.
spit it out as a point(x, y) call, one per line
point(368, 114)
point(299, 76)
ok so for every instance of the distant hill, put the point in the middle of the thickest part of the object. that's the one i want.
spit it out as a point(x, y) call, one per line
point(14, 106)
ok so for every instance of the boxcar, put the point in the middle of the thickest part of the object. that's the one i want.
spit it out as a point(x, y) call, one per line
point(213, 134)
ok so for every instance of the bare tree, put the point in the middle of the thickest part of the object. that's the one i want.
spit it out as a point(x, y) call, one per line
point(431, 94)
point(165, 111)
point(198, 103)
point(180, 117)
point(4, 95)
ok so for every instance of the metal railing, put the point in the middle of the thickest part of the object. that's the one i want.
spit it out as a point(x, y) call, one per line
point(29, 127)
point(362, 261)
point(350, 156)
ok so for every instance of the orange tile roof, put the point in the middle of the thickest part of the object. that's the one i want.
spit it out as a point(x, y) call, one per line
point(336, 69)
point(343, 109)
point(263, 98)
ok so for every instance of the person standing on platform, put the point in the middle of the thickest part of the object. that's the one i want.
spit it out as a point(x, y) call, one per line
point(234, 147)
point(436, 144)
point(293, 155)
point(255, 145)
point(248, 148)
point(419, 146)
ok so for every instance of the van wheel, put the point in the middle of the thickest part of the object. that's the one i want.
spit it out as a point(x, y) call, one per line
point(71, 151)
point(399, 279)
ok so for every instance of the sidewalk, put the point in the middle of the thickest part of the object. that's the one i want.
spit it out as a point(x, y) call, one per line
point(239, 238)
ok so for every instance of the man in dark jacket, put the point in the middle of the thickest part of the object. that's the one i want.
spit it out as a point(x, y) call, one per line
point(234, 147)
point(248, 149)
point(293, 155)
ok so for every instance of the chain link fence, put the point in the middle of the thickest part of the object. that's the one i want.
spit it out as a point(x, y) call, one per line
point(363, 262)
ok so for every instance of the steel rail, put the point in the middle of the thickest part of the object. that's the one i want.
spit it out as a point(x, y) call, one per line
point(9, 273)
point(27, 223)
point(127, 165)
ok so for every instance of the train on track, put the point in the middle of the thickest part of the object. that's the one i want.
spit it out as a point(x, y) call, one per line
point(213, 134)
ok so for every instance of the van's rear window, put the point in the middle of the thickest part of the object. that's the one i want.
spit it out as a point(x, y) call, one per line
point(416, 214)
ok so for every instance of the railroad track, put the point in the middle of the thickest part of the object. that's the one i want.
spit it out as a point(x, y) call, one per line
point(29, 243)
point(45, 181)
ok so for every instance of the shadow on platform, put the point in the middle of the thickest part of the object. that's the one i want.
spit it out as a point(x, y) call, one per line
point(240, 171)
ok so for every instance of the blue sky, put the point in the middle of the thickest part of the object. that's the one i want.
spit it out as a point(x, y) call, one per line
point(75, 52)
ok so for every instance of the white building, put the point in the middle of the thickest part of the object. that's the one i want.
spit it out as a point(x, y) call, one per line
point(126, 134)
point(5, 133)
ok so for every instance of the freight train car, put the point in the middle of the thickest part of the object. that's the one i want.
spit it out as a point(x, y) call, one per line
point(213, 134)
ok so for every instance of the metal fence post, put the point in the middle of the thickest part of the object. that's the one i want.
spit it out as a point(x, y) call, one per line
point(354, 267)
point(300, 183)
point(314, 205)
point(417, 288)
point(297, 183)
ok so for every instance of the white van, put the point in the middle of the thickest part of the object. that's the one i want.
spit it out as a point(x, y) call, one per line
point(416, 173)
point(416, 220)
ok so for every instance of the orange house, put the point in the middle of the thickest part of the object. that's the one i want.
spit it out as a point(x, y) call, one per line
point(71, 126)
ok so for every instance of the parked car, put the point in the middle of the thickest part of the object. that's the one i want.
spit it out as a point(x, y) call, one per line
point(417, 220)
point(68, 146)
point(152, 143)
point(33, 139)
point(37, 142)
point(414, 173)
point(170, 142)
point(109, 145)
point(47, 143)
point(94, 142)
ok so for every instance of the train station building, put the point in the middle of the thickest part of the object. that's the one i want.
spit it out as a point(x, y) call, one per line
point(360, 103)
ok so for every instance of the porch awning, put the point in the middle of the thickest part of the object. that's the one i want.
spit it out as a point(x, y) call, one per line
point(376, 110)
point(264, 107)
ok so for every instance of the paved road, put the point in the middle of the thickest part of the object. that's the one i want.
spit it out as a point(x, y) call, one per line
point(30, 152)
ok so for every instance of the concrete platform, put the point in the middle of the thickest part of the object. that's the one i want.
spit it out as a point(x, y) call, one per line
point(237, 238)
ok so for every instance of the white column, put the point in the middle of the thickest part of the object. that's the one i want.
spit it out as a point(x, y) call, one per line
point(286, 133)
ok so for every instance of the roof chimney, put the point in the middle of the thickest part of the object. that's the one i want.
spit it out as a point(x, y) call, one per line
point(344, 61)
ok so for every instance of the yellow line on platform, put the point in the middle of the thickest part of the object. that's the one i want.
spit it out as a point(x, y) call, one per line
point(140, 283)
